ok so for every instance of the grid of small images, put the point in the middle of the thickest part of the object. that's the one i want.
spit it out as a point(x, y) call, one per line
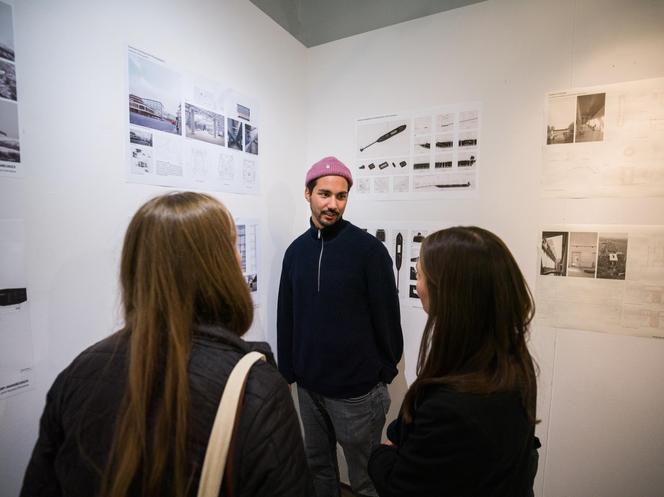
point(186, 131)
point(405, 155)
point(584, 254)
point(403, 245)
point(10, 150)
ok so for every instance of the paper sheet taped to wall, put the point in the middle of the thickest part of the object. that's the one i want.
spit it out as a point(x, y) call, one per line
point(16, 354)
point(605, 141)
point(602, 278)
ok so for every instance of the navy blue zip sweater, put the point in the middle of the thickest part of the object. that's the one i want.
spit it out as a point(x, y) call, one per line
point(338, 321)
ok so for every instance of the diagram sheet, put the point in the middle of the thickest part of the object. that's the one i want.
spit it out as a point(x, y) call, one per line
point(602, 278)
point(189, 132)
point(605, 141)
point(424, 154)
point(16, 354)
point(10, 150)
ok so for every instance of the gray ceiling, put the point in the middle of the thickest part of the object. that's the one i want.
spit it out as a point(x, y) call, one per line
point(315, 22)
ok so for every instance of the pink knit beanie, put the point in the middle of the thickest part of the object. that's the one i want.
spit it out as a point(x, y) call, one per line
point(329, 166)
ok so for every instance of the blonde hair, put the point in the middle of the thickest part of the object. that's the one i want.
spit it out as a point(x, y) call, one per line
point(179, 267)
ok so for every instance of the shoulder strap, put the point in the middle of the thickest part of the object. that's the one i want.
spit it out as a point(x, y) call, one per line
point(212, 473)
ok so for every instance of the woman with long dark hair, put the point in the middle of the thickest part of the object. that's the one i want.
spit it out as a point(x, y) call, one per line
point(132, 414)
point(466, 426)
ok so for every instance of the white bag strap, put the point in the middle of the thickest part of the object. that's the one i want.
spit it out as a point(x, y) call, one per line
point(214, 464)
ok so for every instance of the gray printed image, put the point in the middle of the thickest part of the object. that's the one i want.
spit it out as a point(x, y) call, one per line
point(612, 256)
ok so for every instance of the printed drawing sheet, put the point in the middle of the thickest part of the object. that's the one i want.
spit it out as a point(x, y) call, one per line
point(10, 150)
point(403, 242)
point(247, 245)
point(605, 141)
point(602, 278)
point(16, 355)
point(189, 132)
point(426, 154)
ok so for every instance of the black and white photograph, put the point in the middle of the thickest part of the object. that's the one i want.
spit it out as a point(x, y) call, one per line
point(467, 158)
point(6, 32)
point(443, 161)
point(468, 119)
point(468, 139)
point(421, 163)
point(421, 144)
point(582, 261)
point(250, 139)
point(445, 122)
point(252, 282)
point(590, 118)
point(9, 145)
point(204, 125)
point(243, 111)
point(241, 242)
point(140, 137)
point(612, 256)
point(553, 255)
point(7, 80)
point(234, 134)
point(445, 141)
point(560, 121)
point(154, 95)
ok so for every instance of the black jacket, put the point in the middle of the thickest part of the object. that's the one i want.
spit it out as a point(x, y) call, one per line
point(338, 321)
point(77, 424)
point(459, 444)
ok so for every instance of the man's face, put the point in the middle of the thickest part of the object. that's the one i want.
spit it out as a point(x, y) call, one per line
point(327, 200)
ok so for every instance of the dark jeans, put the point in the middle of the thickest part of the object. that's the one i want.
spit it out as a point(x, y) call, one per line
point(355, 423)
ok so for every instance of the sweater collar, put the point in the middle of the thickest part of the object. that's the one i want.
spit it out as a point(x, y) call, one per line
point(329, 232)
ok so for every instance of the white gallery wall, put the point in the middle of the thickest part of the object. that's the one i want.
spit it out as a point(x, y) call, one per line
point(76, 203)
point(600, 398)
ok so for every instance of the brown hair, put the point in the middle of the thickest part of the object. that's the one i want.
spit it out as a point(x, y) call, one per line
point(179, 267)
point(480, 309)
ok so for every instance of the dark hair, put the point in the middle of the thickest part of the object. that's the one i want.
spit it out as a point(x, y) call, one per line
point(480, 309)
point(179, 267)
point(312, 184)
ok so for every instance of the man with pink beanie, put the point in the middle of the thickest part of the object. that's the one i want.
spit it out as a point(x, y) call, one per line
point(339, 332)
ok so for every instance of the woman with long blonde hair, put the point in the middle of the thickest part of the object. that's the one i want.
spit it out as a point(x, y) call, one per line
point(132, 414)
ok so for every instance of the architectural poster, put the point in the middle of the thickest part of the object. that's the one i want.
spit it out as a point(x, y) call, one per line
point(602, 278)
point(403, 241)
point(247, 245)
point(16, 354)
point(403, 244)
point(605, 141)
point(425, 154)
point(188, 132)
point(10, 150)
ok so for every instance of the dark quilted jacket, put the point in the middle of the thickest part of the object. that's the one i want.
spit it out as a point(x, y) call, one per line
point(77, 424)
